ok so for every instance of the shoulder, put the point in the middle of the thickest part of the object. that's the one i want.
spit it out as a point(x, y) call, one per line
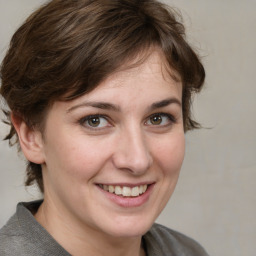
point(161, 240)
point(11, 238)
point(23, 235)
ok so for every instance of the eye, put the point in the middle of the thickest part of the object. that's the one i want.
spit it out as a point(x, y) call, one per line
point(95, 121)
point(160, 119)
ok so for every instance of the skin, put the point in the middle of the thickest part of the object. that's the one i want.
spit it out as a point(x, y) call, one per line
point(127, 146)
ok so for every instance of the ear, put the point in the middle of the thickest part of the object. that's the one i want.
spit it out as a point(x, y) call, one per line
point(31, 141)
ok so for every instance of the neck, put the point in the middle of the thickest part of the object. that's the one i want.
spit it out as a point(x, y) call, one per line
point(78, 239)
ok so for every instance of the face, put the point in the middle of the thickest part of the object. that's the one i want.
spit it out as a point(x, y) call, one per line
point(113, 156)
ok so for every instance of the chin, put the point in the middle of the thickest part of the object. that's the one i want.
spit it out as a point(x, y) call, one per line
point(130, 227)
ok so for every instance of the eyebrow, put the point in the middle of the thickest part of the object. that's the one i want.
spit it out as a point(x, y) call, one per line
point(100, 105)
point(164, 103)
point(110, 106)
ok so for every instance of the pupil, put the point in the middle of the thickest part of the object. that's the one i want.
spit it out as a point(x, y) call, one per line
point(156, 120)
point(94, 121)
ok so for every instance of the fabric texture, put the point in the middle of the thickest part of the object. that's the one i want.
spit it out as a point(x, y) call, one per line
point(24, 236)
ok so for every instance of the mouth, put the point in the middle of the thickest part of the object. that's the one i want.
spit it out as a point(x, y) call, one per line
point(125, 191)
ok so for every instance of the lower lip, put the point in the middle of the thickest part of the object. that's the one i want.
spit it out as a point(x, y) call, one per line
point(128, 202)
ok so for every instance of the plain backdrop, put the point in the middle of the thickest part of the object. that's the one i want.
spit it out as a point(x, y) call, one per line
point(214, 201)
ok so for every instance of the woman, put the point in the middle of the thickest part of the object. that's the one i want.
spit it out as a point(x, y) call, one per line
point(99, 95)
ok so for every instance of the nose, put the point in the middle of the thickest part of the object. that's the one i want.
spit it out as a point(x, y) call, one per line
point(132, 152)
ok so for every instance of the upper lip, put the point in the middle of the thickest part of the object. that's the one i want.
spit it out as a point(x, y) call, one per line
point(124, 184)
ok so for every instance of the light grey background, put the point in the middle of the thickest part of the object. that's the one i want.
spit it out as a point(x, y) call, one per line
point(214, 201)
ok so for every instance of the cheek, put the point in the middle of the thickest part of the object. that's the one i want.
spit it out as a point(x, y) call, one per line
point(170, 154)
point(78, 159)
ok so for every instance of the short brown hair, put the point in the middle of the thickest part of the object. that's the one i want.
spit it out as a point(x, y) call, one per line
point(67, 47)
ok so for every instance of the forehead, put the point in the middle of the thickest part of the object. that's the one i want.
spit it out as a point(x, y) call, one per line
point(143, 72)
point(139, 82)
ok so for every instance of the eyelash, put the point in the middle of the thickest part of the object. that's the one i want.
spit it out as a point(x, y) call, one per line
point(90, 117)
point(171, 120)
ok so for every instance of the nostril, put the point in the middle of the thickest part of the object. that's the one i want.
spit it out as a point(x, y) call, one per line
point(136, 165)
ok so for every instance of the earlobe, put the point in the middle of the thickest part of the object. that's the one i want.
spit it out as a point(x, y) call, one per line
point(31, 141)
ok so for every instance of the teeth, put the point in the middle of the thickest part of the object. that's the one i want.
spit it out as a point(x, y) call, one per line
point(118, 190)
point(111, 189)
point(135, 191)
point(125, 191)
point(141, 189)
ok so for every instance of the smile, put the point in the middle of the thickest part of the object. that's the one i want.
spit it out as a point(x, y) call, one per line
point(125, 191)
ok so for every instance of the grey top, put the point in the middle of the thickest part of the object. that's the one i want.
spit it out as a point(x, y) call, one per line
point(23, 235)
